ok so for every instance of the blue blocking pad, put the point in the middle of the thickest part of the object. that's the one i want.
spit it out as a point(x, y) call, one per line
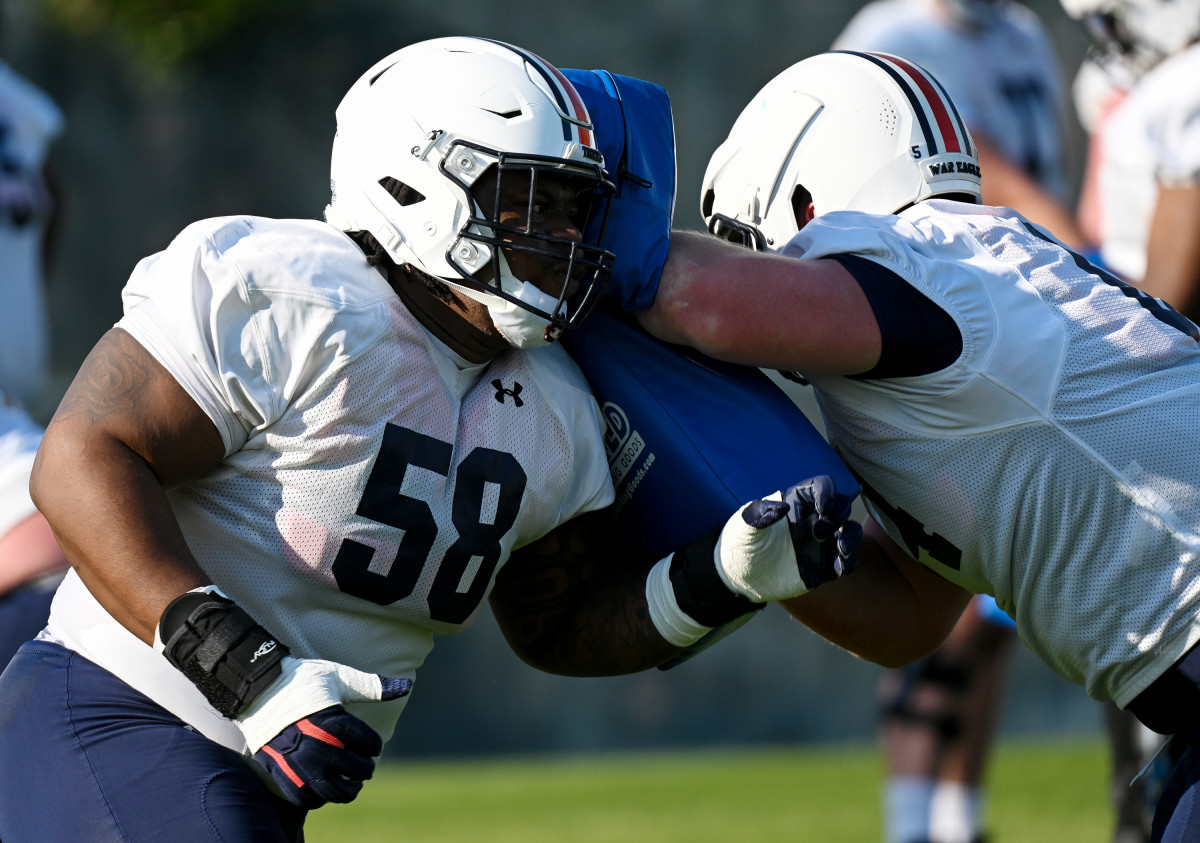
point(690, 439)
point(635, 131)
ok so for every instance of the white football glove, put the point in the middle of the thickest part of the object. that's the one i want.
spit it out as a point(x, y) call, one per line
point(306, 686)
point(771, 549)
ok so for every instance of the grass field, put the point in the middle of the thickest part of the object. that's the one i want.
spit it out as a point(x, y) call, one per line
point(1041, 792)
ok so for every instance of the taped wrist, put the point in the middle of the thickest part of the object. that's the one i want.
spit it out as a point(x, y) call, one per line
point(674, 625)
point(699, 589)
point(220, 648)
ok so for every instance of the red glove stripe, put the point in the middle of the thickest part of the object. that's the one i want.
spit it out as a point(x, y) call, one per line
point(283, 765)
point(314, 731)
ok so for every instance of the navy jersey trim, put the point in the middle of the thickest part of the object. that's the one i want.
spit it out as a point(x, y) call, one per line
point(918, 337)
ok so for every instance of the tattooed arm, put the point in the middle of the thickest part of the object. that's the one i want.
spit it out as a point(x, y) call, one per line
point(124, 432)
point(571, 603)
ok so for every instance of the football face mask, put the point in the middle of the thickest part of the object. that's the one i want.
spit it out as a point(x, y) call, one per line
point(524, 244)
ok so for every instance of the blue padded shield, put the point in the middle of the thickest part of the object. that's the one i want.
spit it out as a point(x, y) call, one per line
point(690, 439)
point(635, 133)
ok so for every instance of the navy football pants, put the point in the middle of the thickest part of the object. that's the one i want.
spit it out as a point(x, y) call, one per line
point(84, 757)
point(1177, 816)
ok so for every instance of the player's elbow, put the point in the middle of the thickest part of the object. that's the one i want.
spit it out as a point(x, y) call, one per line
point(906, 651)
point(47, 477)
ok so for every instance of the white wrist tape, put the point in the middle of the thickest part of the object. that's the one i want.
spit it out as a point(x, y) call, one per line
point(672, 623)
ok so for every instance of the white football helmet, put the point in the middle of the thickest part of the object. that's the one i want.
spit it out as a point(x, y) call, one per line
point(437, 115)
point(1140, 33)
point(855, 131)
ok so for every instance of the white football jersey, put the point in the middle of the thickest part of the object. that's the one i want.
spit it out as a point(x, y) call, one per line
point(1003, 78)
point(373, 482)
point(29, 120)
point(1151, 139)
point(1053, 465)
point(19, 440)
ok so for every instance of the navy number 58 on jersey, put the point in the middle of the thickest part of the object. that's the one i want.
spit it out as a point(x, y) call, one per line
point(484, 470)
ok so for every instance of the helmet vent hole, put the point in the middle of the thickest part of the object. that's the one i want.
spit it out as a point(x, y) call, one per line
point(888, 118)
point(401, 192)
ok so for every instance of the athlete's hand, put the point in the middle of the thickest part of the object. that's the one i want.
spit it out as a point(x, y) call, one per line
point(771, 549)
point(314, 749)
point(782, 546)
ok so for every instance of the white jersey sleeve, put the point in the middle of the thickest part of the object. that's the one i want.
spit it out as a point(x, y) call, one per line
point(373, 484)
point(240, 358)
point(1053, 464)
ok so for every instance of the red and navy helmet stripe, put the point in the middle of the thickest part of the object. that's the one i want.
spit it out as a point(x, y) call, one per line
point(929, 100)
point(578, 121)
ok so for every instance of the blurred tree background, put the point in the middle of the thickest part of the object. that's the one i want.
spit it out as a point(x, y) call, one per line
point(182, 110)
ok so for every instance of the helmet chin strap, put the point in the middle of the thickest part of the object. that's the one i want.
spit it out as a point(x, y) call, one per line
point(520, 327)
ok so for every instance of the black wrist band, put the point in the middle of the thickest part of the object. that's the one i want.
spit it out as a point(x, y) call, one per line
point(220, 648)
point(699, 589)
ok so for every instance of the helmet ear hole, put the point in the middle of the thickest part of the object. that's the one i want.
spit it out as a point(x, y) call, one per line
point(706, 205)
point(801, 197)
point(401, 192)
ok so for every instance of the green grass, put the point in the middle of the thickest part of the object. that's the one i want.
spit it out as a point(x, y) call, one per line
point(1040, 792)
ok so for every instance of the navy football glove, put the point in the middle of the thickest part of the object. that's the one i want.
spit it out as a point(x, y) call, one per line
point(822, 539)
point(635, 133)
point(771, 549)
point(289, 710)
point(324, 757)
point(316, 751)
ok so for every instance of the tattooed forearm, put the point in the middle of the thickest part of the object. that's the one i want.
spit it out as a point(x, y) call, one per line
point(573, 603)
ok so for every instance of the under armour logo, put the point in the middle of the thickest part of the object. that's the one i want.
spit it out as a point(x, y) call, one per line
point(515, 392)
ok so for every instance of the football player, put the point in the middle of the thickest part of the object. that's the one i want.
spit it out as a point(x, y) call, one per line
point(1022, 422)
point(998, 64)
point(29, 122)
point(310, 446)
point(1144, 164)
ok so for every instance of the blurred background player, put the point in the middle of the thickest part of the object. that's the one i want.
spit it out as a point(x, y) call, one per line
point(997, 63)
point(1137, 94)
point(31, 563)
point(1142, 195)
point(29, 121)
point(939, 717)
